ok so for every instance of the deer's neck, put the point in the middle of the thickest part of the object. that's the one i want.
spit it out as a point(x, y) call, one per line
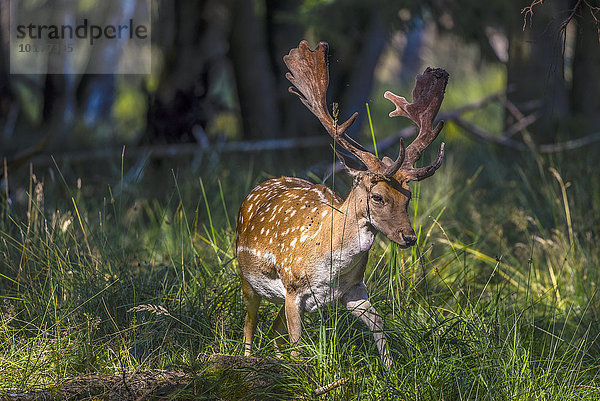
point(352, 231)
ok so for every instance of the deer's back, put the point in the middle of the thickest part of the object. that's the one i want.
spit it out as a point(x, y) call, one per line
point(278, 230)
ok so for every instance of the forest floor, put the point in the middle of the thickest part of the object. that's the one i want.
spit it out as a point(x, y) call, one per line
point(119, 281)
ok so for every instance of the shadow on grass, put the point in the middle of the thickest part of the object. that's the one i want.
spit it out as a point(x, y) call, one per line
point(226, 377)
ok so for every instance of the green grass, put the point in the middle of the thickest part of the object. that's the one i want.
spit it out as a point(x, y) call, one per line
point(497, 302)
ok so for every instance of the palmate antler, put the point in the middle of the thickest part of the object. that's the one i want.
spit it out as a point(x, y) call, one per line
point(310, 77)
point(309, 74)
point(428, 95)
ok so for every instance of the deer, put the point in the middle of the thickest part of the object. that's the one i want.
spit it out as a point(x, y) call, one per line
point(299, 244)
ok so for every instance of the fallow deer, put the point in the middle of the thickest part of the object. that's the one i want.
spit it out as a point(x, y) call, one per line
point(301, 245)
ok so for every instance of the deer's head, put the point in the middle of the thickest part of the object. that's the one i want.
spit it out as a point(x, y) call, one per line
point(380, 188)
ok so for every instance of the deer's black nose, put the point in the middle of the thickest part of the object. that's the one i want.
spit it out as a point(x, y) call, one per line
point(410, 240)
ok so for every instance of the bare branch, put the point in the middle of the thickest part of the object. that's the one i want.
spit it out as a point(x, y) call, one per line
point(570, 145)
point(478, 132)
point(176, 150)
point(528, 12)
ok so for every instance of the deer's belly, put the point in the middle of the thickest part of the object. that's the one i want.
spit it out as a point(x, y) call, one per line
point(271, 288)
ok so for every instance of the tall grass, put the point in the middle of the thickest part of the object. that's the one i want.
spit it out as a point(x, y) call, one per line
point(497, 301)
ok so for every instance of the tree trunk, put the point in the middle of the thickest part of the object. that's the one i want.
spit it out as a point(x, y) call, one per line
point(362, 74)
point(411, 57)
point(535, 67)
point(6, 95)
point(60, 102)
point(253, 74)
point(585, 103)
point(284, 32)
point(193, 37)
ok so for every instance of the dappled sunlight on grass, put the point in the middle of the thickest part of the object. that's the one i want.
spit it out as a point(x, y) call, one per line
point(496, 300)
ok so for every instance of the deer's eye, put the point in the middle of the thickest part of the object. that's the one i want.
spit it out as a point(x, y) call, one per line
point(376, 198)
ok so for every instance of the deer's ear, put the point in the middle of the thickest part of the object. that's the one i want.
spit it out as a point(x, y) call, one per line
point(352, 165)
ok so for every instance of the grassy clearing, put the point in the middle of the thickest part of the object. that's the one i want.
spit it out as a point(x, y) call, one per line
point(497, 301)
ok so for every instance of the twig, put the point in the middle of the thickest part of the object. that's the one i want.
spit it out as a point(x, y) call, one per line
point(448, 115)
point(504, 139)
point(570, 145)
point(486, 136)
point(528, 11)
point(563, 25)
point(183, 149)
point(587, 387)
point(520, 125)
point(327, 388)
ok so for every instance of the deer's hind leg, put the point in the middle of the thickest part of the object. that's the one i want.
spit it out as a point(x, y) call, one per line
point(252, 301)
point(293, 317)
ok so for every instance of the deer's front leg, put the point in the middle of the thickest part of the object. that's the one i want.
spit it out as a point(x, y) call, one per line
point(279, 330)
point(293, 317)
point(356, 300)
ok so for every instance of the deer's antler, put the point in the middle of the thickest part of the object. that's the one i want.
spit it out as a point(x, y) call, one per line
point(309, 74)
point(427, 99)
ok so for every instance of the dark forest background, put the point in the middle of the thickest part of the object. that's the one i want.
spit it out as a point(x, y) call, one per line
point(218, 71)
